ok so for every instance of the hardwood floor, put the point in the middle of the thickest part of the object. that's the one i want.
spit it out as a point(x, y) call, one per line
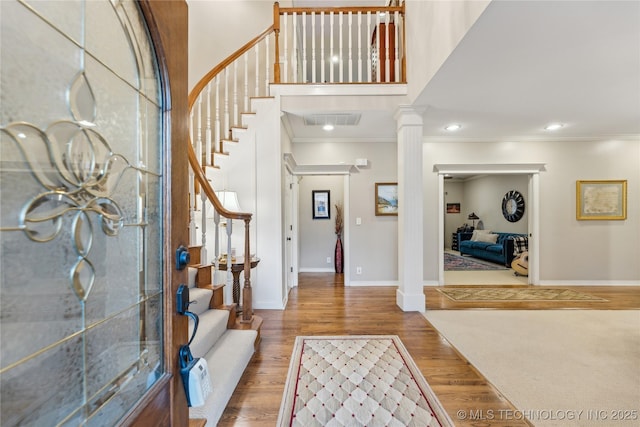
point(321, 305)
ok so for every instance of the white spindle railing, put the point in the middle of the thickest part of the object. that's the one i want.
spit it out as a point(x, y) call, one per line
point(357, 45)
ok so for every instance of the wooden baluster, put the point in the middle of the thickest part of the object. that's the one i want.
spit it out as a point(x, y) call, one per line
point(227, 127)
point(322, 64)
point(333, 65)
point(247, 298)
point(229, 230)
point(396, 47)
point(276, 30)
point(340, 62)
point(313, 47)
point(304, 47)
point(368, 41)
point(285, 77)
point(207, 137)
point(359, 47)
point(294, 50)
point(217, 133)
point(387, 68)
point(235, 93)
point(246, 81)
point(378, 56)
point(350, 48)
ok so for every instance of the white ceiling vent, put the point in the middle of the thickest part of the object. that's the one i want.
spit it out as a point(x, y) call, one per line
point(336, 119)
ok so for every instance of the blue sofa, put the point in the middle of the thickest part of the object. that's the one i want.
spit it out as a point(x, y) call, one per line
point(500, 252)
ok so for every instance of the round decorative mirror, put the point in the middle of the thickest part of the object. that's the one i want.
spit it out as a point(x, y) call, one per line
point(513, 206)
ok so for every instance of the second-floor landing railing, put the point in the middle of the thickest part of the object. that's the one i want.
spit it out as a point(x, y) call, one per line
point(339, 44)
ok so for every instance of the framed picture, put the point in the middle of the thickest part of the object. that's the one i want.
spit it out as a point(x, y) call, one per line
point(321, 204)
point(453, 208)
point(601, 200)
point(386, 198)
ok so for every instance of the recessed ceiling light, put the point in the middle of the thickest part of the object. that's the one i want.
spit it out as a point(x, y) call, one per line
point(452, 127)
point(335, 59)
point(553, 126)
point(327, 127)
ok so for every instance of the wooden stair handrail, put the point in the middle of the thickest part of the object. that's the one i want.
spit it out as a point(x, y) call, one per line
point(204, 81)
point(201, 178)
point(210, 193)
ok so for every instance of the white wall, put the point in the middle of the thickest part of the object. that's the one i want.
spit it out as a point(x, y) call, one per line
point(317, 237)
point(453, 193)
point(595, 252)
point(432, 37)
point(483, 196)
point(217, 28)
point(374, 243)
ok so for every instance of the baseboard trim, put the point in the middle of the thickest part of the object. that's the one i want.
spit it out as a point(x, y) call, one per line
point(316, 270)
point(355, 283)
point(430, 283)
point(590, 282)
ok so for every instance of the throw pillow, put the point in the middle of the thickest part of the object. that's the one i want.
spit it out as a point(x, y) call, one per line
point(476, 233)
point(487, 237)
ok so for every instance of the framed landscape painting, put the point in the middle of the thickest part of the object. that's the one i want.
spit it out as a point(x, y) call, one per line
point(386, 198)
point(601, 200)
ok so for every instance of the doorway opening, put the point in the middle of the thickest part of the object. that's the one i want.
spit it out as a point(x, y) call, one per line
point(498, 176)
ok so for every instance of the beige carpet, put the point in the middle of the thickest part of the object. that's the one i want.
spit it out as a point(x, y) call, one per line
point(558, 367)
point(366, 380)
point(516, 294)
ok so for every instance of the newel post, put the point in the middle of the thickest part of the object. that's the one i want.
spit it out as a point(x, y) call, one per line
point(247, 306)
point(276, 29)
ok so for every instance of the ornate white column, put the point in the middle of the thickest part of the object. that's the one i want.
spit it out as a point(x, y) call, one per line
point(410, 294)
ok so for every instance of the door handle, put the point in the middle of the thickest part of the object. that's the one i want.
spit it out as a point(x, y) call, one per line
point(182, 257)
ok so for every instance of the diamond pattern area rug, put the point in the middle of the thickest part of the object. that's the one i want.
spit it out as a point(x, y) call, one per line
point(516, 294)
point(454, 262)
point(354, 381)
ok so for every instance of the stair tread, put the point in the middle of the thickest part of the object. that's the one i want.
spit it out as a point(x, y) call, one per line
point(212, 325)
point(226, 362)
point(201, 298)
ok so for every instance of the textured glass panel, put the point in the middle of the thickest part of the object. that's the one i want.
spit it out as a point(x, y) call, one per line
point(144, 52)
point(117, 110)
point(66, 15)
point(38, 300)
point(117, 277)
point(113, 347)
point(133, 379)
point(154, 237)
point(45, 389)
point(35, 59)
point(107, 41)
point(150, 135)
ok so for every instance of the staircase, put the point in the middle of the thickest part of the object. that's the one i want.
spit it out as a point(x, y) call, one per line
point(232, 119)
point(226, 344)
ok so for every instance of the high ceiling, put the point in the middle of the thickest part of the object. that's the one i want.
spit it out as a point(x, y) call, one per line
point(525, 64)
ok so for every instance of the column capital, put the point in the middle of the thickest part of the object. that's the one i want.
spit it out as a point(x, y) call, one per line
point(409, 115)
